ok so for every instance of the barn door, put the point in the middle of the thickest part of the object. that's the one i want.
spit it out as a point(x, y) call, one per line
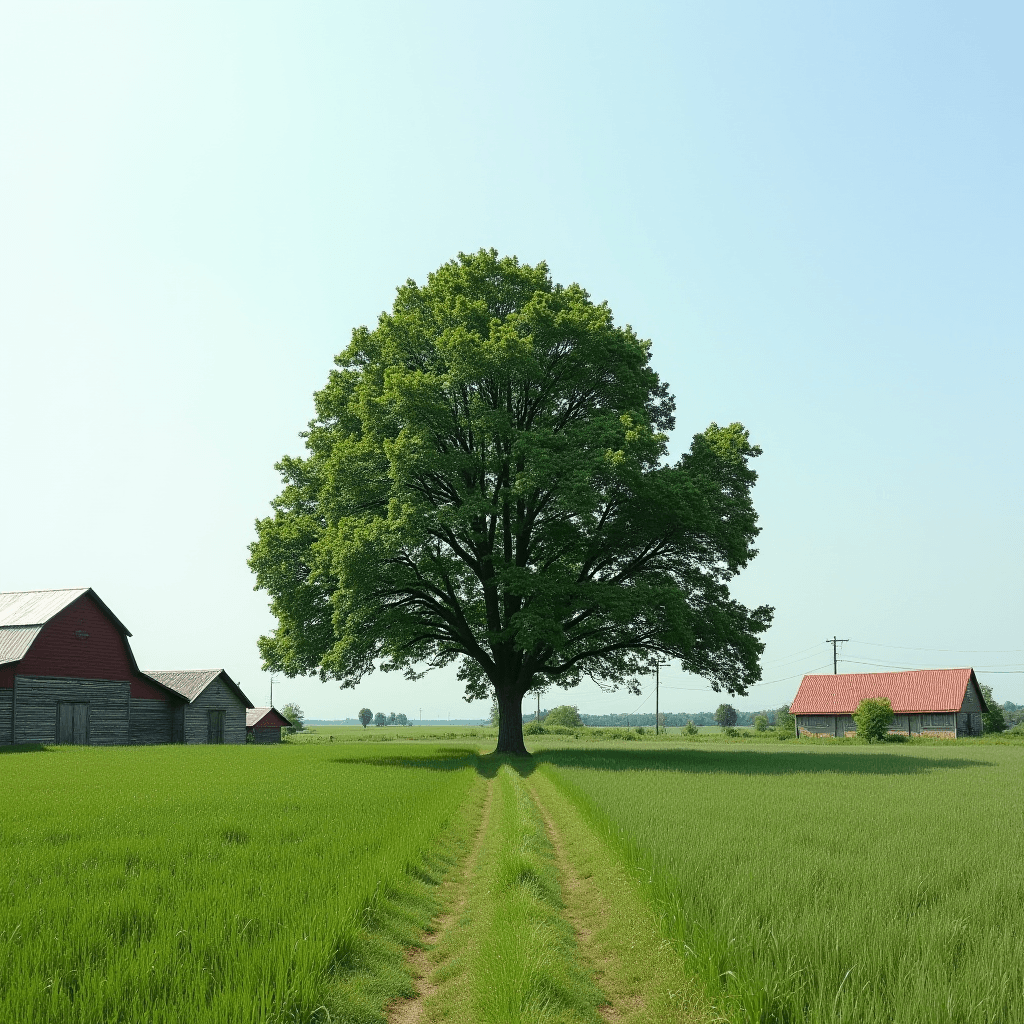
point(72, 723)
point(216, 728)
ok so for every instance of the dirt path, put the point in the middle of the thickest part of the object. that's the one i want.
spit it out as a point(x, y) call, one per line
point(640, 975)
point(408, 1011)
point(575, 893)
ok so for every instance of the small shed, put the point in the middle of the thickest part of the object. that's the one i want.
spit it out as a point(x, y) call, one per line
point(68, 674)
point(215, 706)
point(264, 725)
point(942, 702)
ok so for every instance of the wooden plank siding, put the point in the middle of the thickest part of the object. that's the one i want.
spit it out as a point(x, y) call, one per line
point(216, 696)
point(6, 717)
point(36, 700)
point(935, 724)
point(266, 735)
point(152, 721)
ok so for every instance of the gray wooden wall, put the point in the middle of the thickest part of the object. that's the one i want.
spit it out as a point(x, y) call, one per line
point(152, 721)
point(216, 696)
point(266, 735)
point(35, 712)
point(6, 708)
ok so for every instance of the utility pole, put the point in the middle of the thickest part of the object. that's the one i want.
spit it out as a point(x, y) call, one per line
point(538, 707)
point(657, 684)
point(271, 689)
point(835, 662)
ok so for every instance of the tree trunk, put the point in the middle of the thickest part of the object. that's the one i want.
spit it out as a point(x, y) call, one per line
point(510, 724)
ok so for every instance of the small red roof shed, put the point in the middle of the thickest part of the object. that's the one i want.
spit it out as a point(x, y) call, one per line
point(921, 690)
point(266, 718)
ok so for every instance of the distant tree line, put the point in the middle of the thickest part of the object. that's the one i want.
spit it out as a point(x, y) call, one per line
point(366, 716)
point(672, 718)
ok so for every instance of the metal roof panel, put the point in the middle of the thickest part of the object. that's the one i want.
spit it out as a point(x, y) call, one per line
point(192, 683)
point(15, 642)
point(35, 607)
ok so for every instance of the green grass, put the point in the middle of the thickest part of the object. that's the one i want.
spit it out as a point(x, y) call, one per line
point(803, 881)
point(512, 958)
point(219, 884)
point(826, 883)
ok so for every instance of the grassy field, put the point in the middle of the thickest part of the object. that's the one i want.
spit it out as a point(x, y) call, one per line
point(628, 879)
point(825, 884)
point(217, 883)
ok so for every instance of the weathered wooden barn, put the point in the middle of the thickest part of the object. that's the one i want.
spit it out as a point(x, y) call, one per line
point(264, 725)
point(68, 675)
point(215, 706)
point(944, 702)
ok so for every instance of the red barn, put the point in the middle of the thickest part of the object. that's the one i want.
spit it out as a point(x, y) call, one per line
point(264, 725)
point(68, 675)
point(926, 702)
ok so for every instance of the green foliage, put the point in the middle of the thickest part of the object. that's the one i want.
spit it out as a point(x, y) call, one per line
point(294, 715)
point(993, 719)
point(784, 721)
point(485, 482)
point(495, 712)
point(380, 719)
point(690, 729)
point(731, 731)
point(873, 717)
point(365, 716)
point(761, 723)
point(567, 715)
point(725, 715)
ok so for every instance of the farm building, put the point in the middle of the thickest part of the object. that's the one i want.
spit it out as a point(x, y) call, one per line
point(264, 725)
point(215, 708)
point(68, 675)
point(944, 702)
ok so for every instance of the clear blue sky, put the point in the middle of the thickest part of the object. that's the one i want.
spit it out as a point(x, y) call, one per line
point(814, 211)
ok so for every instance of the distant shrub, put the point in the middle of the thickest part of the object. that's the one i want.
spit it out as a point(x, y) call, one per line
point(873, 717)
point(761, 723)
point(533, 729)
point(567, 715)
point(639, 730)
point(730, 731)
point(690, 729)
point(784, 721)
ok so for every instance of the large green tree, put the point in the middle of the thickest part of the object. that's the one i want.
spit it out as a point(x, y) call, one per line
point(486, 482)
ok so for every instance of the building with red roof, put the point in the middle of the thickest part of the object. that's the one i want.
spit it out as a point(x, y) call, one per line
point(264, 725)
point(943, 702)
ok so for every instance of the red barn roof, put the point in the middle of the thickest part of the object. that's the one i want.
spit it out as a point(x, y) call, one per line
point(931, 689)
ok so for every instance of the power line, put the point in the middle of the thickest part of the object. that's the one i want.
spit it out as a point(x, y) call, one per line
point(942, 650)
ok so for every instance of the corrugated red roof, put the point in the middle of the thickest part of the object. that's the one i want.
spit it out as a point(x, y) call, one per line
point(927, 689)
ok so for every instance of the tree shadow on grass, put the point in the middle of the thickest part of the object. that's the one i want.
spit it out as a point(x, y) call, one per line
point(25, 748)
point(755, 762)
point(686, 760)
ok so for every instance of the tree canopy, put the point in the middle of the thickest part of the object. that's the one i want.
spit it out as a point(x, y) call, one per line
point(725, 715)
point(565, 714)
point(486, 483)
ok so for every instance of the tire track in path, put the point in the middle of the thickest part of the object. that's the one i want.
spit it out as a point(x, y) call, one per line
point(641, 976)
point(410, 1010)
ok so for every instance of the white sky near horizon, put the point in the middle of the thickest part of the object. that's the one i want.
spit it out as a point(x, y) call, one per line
point(813, 211)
